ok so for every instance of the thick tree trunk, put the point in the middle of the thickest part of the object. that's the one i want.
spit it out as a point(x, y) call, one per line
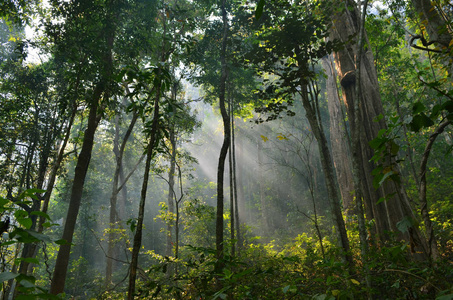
point(387, 213)
point(61, 264)
point(439, 33)
point(339, 138)
point(101, 92)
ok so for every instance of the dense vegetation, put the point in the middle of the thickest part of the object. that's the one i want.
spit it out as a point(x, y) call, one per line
point(226, 149)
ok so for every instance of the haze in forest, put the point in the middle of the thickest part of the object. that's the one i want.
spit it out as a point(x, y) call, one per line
point(226, 150)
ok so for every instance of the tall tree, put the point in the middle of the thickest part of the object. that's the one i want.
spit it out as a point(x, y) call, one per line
point(226, 138)
point(387, 214)
point(288, 50)
point(339, 137)
point(118, 186)
point(82, 14)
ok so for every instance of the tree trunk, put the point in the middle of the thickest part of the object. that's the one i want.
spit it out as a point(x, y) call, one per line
point(101, 91)
point(61, 264)
point(149, 151)
point(235, 186)
point(265, 226)
point(113, 216)
point(438, 31)
point(171, 192)
point(433, 252)
point(141, 211)
point(232, 210)
point(339, 138)
point(387, 213)
point(314, 120)
point(225, 145)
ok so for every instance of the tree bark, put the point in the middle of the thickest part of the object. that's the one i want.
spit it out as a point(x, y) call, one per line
point(101, 92)
point(61, 264)
point(113, 216)
point(171, 192)
point(232, 210)
point(387, 213)
point(225, 145)
point(433, 252)
point(265, 226)
point(141, 211)
point(439, 33)
point(235, 186)
point(312, 114)
point(339, 138)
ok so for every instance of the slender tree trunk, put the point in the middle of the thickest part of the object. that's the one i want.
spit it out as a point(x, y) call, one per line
point(433, 252)
point(113, 216)
point(225, 145)
point(29, 249)
point(149, 151)
point(262, 191)
point(232, 187)
point(313, 117)
point(232, 210)
point(58, 160)
point(141, 211)
point(235, 186)
point(171, 192)
point(178, 203)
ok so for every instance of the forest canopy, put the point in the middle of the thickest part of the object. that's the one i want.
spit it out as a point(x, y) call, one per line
point(226, 149)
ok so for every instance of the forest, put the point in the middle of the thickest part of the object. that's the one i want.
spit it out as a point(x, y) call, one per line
point(226, 149)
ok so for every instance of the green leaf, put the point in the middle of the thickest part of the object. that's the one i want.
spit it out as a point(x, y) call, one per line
point(377, 179)
point(285, 289)
point(420, 121)
point(382, 132)
point(3, 201)
point(445, 297)
point(404, 224)
point(448, 106)
point(40, 214)
point(5, 276)
point(378, 118)
point(394, 148)
point(376, 142)
point(26, 222)
point(382, 199)
point(31, 193)
point(417, 108)
point(435, 111)
point(30, 260)
point(39, 236)
point(132, 223)
point(61, 242)
point(259, 9)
